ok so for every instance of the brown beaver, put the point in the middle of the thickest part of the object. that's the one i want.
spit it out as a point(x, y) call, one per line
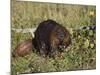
point(51, 38)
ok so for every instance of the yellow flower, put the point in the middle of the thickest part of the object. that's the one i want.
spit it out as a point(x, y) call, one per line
point(91, 13)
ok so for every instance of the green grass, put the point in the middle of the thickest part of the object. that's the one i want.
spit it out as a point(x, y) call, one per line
point(80, 55)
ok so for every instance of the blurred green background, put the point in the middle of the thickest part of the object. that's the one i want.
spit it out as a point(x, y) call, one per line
point(80, 55)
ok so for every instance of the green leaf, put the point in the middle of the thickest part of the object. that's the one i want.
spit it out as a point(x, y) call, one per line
point(90, 32)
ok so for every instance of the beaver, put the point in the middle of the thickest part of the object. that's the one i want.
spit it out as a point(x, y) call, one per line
point(51, 38)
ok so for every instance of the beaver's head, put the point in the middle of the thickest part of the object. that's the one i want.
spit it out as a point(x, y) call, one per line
point(64, 39)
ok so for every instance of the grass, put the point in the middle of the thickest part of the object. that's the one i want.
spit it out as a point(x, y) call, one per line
point(80, 55)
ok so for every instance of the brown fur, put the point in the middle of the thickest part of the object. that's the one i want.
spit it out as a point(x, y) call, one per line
point(51, 38)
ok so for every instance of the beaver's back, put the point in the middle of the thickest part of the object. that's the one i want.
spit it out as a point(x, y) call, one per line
point(44, 29)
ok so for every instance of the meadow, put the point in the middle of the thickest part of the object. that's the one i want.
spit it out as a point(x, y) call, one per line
point(80, 55)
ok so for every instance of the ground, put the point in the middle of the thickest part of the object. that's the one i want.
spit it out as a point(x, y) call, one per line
point(80, 55)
